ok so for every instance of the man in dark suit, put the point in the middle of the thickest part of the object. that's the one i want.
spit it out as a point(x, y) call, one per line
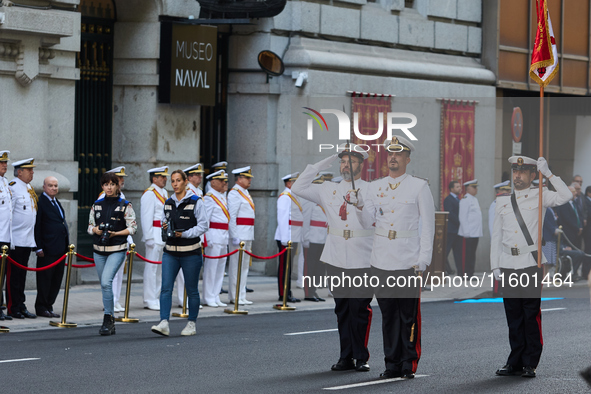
point(52, 238)
point(571, 220)
point(451, 204)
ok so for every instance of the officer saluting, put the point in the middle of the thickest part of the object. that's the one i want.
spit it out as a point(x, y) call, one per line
point(470, 225)
point(514, 253)
point(346, 252)
point(24, 215)
point(5, 213)
point(396, 204)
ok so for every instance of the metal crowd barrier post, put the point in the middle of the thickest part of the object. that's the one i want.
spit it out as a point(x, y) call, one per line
point(235, 311)
point(284, 306)
point(63, 323)
point(126, 318)
point(184, 312)
point(2, 272)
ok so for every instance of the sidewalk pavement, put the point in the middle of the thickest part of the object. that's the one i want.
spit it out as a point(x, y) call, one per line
point(85, 302)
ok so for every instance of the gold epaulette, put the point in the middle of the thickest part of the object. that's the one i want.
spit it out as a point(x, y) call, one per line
point(148, 189)
point(209, 194)
point(424, 179)
point(12, 183)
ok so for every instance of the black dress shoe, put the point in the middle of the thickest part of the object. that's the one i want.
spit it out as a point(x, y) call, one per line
point(509, 370)
point(313, 299)
point(361, 366)
point(53, 314)
point(224, 291)
point(344, 364)
point(318, 298)
point(529, 372)
point(28, 314)
point(248, 290)
point(17, 315)
point(390, 374)
point(4, 317)
point(406, 374)
point(45, 314)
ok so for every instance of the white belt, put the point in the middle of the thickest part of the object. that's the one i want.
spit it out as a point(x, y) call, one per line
point(391, 234)
point(188, 248)
point(358, 233)
point(113, 248)
point(520, 250)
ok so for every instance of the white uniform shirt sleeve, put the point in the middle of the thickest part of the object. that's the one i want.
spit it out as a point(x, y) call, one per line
point(463, 216)
point(561, 196)
point(427, 212)
point(283, 214)
point(147, 211)
point(367, 215)
point(303, 186)
point(496, 243)
point(307, 208)
point(202, 222)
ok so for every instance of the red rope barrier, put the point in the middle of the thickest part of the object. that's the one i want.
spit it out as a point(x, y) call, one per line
point(60, 260)
point(265, 258)
point(82, 265)
point(146, 260)
point(222, 256)
point(84, 258)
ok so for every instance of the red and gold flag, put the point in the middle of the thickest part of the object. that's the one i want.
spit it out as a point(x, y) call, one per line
point(544, 58)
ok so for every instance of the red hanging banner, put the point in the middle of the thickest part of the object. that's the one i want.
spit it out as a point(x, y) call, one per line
point(457, 144)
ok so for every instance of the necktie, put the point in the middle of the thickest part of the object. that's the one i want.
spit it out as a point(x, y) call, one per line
point(58, 208)
point(577, 214)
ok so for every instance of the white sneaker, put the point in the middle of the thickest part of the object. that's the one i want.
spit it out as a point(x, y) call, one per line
point(154, 305)
point(221, 303)
point(189, 329)
point(212, 305)
point(200, 306)
point(162, 328)
point(118, 308)
point(245, 302)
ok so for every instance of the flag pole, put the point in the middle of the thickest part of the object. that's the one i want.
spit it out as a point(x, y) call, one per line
point(540, 177)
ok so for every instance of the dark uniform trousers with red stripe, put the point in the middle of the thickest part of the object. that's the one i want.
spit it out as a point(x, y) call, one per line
point(15, 280)
point(353, 312)
point(282, 266)
point(401, 318)
point(524, 315)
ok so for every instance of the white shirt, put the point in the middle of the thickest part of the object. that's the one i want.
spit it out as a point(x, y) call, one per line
point(290, 218)
point(5, 211)
point(197, 191)
point(470, 217)
point(339, 252)
point(24, 214)
point(506, 230)
point(215, 214)
point(240, 207)
point(406, 207)
point(152, 210)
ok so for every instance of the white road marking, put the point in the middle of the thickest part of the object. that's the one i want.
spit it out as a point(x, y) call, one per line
point(19, 359)
point(311, 332)
point(553, 309)
point(370, 383)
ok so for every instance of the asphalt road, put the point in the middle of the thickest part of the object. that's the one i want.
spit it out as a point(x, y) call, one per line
point(463, 344)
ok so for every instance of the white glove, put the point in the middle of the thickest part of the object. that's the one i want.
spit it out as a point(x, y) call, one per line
point(543, 167)
point(306, 244)
point(420, 267)
point(326, 163)
point(284, 244)
point(355, 198)
point(235, 241)
point(150, 243)
point(497, 273)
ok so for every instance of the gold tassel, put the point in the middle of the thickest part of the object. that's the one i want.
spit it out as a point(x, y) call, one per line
point(250, 263)
point(412, 333)
point(33, 196)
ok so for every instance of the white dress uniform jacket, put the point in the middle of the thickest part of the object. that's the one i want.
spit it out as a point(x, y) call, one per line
point(241, 214)
point(23, 214)
point(351, 253)
point(318, 225)
point(216, 215)
point(290, 218)
point(196, 190)
point(506, 231)
point(399, 204)
point(470, 217)
point(5, 211)
point(153, 211)
point(491, 216)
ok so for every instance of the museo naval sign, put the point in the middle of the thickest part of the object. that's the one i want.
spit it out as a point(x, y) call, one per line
point(188, 63)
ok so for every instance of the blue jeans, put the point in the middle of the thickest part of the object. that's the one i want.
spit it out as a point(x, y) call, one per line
point(171, 265)
point(107, 267)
